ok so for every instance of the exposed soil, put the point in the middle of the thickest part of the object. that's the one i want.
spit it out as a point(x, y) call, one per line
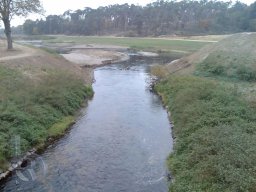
point(94, 57)
point(85, 55)
point(18, 52)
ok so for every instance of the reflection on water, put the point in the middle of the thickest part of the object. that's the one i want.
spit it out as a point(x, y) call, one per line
point(120, 143)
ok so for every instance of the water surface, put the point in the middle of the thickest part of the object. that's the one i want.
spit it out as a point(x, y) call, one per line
point(120, 143)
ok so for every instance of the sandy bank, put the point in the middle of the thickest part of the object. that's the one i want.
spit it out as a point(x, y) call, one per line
point(95, 57)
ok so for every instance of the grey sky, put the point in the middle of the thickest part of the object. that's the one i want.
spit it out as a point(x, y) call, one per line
point(56, 7)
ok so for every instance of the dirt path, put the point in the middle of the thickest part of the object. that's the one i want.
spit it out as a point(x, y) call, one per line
point(35, 63)
point(15, 57)
point(17, 53)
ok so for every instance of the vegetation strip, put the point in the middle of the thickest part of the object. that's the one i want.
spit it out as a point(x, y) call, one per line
point(215, 134)
point(36, 111)
point(158, 18)
point(146, 44)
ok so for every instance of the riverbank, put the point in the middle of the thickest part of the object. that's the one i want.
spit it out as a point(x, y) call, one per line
point(93, 55)
point(212, 106)
point(119, 142)
point(46, 78)
point(86, 55)
point(94, 58)
point(39, 95)
point(53, 87)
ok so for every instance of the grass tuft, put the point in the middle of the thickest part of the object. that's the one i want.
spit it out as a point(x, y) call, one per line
point(59, 128)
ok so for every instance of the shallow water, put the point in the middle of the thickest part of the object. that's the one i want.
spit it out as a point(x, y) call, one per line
point(120, 142)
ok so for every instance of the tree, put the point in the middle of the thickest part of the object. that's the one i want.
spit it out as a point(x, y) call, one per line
point(10, 8)
point(162, 17)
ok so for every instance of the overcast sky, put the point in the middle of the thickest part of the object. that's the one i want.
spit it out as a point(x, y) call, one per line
point(57, 7)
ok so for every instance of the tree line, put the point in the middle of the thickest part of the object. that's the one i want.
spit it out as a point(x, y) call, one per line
point(162, 17)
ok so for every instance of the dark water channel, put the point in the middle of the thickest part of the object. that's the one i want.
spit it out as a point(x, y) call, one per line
point(119, 144)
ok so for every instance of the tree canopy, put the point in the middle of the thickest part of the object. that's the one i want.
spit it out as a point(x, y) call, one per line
point(158, 18)
point(10, 8)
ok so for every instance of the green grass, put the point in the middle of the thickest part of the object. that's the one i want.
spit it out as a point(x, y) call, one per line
point(36, 110)
point(49, 50)
point(226, 64)
point(149, 44)
point(59, 128)
point(215, 134)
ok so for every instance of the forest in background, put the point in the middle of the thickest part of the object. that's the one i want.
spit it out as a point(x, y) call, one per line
point(155, 19)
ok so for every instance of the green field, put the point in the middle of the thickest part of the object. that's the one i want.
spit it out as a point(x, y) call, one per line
point(152, 44)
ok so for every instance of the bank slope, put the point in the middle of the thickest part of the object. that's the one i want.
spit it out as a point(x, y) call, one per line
point(39, 95)
point(214, 119)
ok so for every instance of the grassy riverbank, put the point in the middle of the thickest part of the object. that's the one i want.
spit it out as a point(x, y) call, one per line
point(40, 92)
point(212, 103)
point(30, 110)
point(215, 134)
point(38, 100)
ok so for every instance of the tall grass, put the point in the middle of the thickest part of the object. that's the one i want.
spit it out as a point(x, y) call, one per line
point(240, 66)
point(29, 109)
point(215, 132)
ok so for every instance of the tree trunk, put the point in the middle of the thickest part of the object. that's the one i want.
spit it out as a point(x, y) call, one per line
point(7, 31)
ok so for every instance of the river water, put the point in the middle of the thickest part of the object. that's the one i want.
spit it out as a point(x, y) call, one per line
point(119, 144)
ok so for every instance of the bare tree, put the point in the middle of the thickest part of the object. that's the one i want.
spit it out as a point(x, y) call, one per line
point(10, 8)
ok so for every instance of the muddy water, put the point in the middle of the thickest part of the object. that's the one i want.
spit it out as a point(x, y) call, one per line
point(120, 143)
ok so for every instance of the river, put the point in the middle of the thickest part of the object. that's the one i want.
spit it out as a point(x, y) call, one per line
point(119, 143)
